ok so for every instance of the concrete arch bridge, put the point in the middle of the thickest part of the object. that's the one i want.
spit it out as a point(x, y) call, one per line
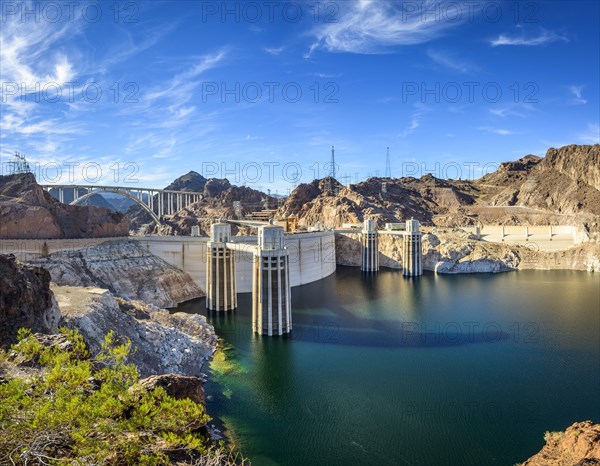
point(157, 202)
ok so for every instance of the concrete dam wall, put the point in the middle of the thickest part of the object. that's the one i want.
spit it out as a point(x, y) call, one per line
point(311, 255)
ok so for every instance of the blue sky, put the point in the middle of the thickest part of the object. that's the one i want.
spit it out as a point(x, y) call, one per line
point(260, 91)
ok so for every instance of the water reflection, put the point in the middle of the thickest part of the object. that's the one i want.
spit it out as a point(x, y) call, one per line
point(388, 370)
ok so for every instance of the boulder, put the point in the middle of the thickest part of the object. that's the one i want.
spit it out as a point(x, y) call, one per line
point(25, 300)
point(176, 386)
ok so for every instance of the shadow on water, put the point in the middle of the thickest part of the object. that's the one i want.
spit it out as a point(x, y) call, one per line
point(292, 401)
point(397, 322)
point(343, 326)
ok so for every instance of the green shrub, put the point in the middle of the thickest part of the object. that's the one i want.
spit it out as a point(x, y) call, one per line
point(80, 411)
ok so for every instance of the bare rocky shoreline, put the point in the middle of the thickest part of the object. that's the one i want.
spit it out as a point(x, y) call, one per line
point(447, 250)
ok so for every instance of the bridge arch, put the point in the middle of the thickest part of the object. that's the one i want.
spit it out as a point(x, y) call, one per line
point(122, 193)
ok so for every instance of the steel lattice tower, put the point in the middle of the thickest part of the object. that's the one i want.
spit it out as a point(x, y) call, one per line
point(388, 165)
point(332, 171)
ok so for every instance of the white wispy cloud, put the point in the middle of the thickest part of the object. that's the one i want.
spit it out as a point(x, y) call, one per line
point(591, 135)
point(128, 46)
point(372, 26)
point(577, 93)
point(327, 75)
point(447, 60)
point(492, 130)
point(274, 50)
point(542, 38)
point(33, 57)
point(178, 88)
point(520, 110)
point(165, 118)
point(415, 121)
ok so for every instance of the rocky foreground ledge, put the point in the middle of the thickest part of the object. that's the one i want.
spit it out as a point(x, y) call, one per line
point(579, 445)
point(176, 343)
point(164, 343)
point(25, 300)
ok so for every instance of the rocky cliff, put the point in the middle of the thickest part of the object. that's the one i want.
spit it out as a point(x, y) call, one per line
point(561, 188)
point(566, 182)
point(164, 342)
point(125, 268)
point(454, 251)
point(28, 212)
point(25, 300)
point(176, 343)
point(579, 445)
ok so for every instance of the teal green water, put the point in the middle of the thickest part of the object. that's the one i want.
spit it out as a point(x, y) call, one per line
point(437, 370)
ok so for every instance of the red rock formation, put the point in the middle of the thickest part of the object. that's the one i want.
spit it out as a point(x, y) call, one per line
point(28, 212)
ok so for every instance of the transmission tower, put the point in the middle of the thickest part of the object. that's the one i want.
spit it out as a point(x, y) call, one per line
point(329, 183)
point(332, 172)
point(18, 165)
point(388, 165)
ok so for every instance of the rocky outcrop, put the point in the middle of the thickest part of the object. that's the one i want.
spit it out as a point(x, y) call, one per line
point(25, 300)
point(559, 189)
point(177, 386)
point(164, 343)
point(28, 212)
point(455, 251)
point(218, 196)
point(580, 163)
point(126, 268)
point(403, 198)
point(579, 445)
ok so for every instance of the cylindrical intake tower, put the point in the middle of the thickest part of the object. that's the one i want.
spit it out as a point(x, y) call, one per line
point(220, 270)
point(370, 253)
point(271, 296)
point(412, 255)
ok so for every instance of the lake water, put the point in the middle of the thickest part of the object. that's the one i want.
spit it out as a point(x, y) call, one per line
point(438, 370)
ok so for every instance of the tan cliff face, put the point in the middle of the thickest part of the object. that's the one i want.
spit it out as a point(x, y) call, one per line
point(28, 212)
point(579, 445)
point(165, 342)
